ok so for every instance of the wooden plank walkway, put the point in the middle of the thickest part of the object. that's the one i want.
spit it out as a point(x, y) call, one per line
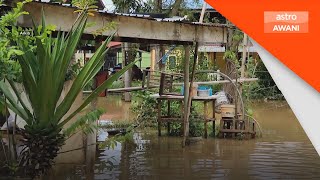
point(128, 89)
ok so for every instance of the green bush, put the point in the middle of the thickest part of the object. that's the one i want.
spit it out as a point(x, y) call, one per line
point(175, 129)
point(117, 84)
point(144, 107)
point(196, 129)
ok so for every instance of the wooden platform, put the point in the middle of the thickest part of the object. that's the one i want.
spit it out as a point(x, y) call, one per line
point(173, 118)
point(231, 127)
point(181, 97)
point(128, 89)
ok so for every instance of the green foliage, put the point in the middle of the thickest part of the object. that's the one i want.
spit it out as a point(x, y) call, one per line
point(117, 84)
point(87, 6)
point(132, 6)
point(216, 131)
point(44, 70)
point(144, 107)
point(44, 62)
point(12, 167)
point(176, 129)
point(230, 55)
point(112, 141)
point(87, 123)
point(265, 88)
point(44, 67)
point(109, 26)
point(196, 129)
point(118, 124)
point(9, 67)
point(72, 71)
point(90, 86)
point(240, 136)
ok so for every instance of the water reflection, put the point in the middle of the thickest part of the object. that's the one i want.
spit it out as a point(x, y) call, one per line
point(284, 152)
point(163, 158)
point(115, 107)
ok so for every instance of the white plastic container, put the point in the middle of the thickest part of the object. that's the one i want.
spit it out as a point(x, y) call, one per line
point(203, 93)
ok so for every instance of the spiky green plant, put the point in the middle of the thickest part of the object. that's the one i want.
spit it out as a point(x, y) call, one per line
point(43, 75)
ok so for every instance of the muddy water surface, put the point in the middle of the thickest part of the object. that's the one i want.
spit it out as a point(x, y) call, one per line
point(284, 152)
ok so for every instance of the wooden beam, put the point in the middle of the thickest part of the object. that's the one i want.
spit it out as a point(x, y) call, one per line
point(128, 28)
point(128, 89)
point(221, 81)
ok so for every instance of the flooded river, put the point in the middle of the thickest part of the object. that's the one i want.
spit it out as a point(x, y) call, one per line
point(284, 152)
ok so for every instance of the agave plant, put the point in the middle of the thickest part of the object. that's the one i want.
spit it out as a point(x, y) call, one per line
point(43, 75)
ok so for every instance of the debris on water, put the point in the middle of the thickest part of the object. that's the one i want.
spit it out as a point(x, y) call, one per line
point(115, 131)
point(105, 123)
point(102, 135)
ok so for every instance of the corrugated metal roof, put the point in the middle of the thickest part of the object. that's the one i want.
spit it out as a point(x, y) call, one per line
point(100, 3)
point(144, 16)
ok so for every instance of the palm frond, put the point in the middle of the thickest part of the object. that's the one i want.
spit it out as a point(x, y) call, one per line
point(105, 85)
point(44, 69)
point(87, 123)
point(11, 101)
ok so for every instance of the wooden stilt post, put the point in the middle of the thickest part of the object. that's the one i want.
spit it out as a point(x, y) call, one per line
point(127, 74)
point(168, 114)
point(153, 58)
point(152, 64)
point(186, 95)
point(214, 117)
point(159, 117)
point(205, 106)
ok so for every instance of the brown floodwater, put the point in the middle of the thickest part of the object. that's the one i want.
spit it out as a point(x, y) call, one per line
point(284, 152)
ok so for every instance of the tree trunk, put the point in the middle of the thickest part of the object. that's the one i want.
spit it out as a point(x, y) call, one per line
point(230, 66)
point(40, 151)
point(176, 7)
point(158, 6)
